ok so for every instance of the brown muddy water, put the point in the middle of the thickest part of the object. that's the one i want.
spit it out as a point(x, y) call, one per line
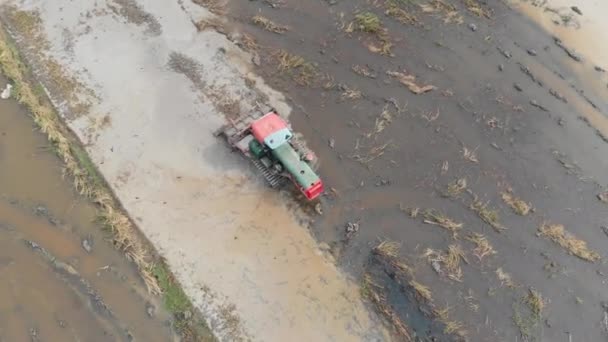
point(509, 113)
point(60, 280)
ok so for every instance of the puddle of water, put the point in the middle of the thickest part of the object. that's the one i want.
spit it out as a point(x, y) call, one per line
point(38, 300)
point(581, 32)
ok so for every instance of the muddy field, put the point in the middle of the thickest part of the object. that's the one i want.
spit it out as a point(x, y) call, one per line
point(60, 279)
point(464, 157)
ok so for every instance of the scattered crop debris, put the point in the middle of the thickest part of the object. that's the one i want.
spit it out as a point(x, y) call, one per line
point(364, 71)
point(373, 153)
point(456, 188)
point(382, 121)
point(434, 217)
point(469, 154)
point(268, 24)
point(519, 206)
point(483, 248)
point(558, 234)
point(410, 82)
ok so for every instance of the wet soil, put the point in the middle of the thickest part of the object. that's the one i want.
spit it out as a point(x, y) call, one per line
point(60, 279)
point(504, 91)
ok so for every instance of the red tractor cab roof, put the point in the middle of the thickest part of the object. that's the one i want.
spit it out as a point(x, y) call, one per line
point(271, 130)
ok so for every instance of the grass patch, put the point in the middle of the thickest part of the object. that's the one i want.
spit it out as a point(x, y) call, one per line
point(519, 206)
point(176, 302)
point(558, 234)
point(487, 214)
point(527, 318)
point(483, 248)
point(434, 217)
point(368, 22)
point(174, 298)
point(301, 71)
point(268, 24)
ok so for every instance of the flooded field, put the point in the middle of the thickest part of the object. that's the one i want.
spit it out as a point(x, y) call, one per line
point(465, 157)
point(60, 280)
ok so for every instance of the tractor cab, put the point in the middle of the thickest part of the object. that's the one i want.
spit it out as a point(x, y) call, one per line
point(271, 144)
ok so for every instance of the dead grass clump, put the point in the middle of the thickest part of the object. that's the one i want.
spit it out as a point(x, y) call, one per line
point(489, 216)
point(249, 42)
point(447, 263)
point(394, 10)
point(483, 248)
point(301, 71)
point(474, 7)
point(372, 292)
point(213, 23)
point(456, 187)
point(574, 246)
point(434, 217)
point(535, 302)
point(412, 212)
point(519, 206)
point(441, 8)
point(77, 165)
point(505, 278)
point(388, 249)
point(268, 24)
point(363, 71)
point(374, 153)
point(450, 326)
point(382, 121)
point(469, 155)
point(422, 291)
point(350, 94)
point(368, 22)
point(409, 81)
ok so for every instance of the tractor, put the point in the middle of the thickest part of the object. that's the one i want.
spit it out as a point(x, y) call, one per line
point(267, 140)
